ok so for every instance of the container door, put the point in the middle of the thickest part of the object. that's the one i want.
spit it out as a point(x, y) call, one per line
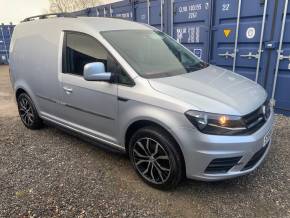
point(122, 9)
point(239, 36)
point(81, 13)
point(150, 12)
point(279, 72)
point(142, 11)
point(103, 11)
point(4, 44)
point(156, 17)
point(94, 12)
point(190, 20)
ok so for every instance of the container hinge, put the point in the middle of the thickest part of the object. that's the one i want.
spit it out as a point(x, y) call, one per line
point(227, 55)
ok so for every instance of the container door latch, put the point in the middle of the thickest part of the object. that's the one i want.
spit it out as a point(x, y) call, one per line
point(251, 55)
point(227, 55)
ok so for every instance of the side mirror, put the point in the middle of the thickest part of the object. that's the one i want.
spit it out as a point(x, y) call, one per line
point(96, 72)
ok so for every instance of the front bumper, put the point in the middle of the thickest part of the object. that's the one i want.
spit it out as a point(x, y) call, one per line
point(200, 150)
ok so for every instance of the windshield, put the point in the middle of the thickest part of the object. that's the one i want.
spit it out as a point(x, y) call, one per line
point(153, 54)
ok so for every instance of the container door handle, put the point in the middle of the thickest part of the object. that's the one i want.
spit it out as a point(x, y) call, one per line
point(250, 55)
point(283, 57)
point(227, 55)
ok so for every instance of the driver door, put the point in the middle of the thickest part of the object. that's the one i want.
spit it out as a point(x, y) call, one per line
point(88, 106)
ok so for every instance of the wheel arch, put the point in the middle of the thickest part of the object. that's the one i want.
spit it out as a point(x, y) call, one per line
point(22, 87)
point(19, 91)
point(138, 124)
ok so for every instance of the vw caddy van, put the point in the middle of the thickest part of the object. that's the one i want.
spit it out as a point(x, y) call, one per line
point(137, 90)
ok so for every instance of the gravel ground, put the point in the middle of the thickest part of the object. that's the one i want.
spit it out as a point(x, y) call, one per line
point(48, 173)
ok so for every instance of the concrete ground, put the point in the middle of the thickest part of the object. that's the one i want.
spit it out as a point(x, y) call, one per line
point(48, 173)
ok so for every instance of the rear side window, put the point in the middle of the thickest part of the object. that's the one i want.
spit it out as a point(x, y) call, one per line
point(80, 49)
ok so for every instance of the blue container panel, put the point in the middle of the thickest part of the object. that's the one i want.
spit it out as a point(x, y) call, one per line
point(7, 35)
point(155, 14)
point(122, 9)
point(4, 47)
point(82, 13)
point(5, 38)
point(3, 58)
point(94, 12)
point(100, 11)
point(191, 25)
point(249, 34)
point(4, 44)
point(104, 11)
point(283, 82)
point(141, 12)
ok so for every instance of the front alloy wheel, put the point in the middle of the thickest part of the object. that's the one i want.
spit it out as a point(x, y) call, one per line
point(156, 157)
point(151, 160)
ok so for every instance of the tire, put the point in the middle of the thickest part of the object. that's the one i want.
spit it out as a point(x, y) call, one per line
point(149, 162)
point(28, 112)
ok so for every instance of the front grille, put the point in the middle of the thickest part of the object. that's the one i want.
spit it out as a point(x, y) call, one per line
point(257, 118)
point(255, 159)
point(222, 165)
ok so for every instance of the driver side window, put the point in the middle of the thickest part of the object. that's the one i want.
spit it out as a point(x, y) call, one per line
point(80, 49)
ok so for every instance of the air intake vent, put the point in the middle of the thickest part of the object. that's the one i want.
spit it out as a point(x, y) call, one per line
point(222, 165)
point(254, 160)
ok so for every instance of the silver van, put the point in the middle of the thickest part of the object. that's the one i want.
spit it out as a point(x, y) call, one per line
point(137, 90)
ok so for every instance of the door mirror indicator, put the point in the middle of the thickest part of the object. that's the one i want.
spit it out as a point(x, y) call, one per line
point(96, 72)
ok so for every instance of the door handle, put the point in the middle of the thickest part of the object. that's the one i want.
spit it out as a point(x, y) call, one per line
point(67, 90)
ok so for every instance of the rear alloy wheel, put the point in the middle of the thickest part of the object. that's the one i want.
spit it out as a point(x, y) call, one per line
point(155, 158)
point(27, 112)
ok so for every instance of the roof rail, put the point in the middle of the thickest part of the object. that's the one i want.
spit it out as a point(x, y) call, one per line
point(46, 16)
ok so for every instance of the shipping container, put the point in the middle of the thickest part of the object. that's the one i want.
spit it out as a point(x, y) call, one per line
point(5, 38)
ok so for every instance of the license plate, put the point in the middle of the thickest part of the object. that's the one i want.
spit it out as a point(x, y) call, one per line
point(267, 138)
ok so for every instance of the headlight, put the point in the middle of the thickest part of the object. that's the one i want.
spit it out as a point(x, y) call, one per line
point(216, 124)
point(267, 109)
